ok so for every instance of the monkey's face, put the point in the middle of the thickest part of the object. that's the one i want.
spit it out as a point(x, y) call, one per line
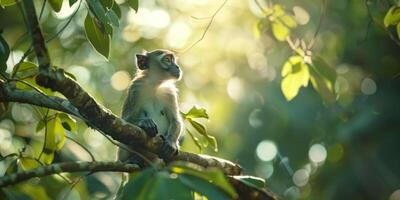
point(161, 63)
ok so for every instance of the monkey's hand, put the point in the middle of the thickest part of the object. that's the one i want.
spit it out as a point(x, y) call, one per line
point(169, 148)
point(149, 126)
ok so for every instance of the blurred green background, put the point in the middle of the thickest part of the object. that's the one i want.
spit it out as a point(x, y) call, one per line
point(305, 149)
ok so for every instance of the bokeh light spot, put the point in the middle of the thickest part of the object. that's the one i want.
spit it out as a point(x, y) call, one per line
point(82, 74)
point(317, 153)
point(395, 195)
point(368, 86)
point(266, 150)
point(300, 177)
point(301, 16)
point(120, 80)
point(22, 112)
point(254, 118)
point(235, 88)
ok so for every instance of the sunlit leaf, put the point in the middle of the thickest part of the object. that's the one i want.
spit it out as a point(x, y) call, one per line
point(214, 176)
point(288, 21)
point(280, 31)
point(252, 181)
point(4, 3)
point(47, 156)
point(28, 163)
point(68, 122)
point(203, 187)
point(134, 4)
point(392, 17)
point(40, 125)
point(34, 191)
point(296, 74)
point(195, 140)
point(99, 39)
point(196, 112)
point(32, 86)
point(202, 130)
point(56, 4)
point(12, 168)
point(4, 53)
point(25, 69)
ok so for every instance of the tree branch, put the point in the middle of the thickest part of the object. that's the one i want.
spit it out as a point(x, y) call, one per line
point(67, 167)
point(9, 93)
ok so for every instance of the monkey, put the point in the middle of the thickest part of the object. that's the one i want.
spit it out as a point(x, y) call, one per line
point(152, 102)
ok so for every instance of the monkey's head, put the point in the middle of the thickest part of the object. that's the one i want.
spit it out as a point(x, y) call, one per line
point(160, 63)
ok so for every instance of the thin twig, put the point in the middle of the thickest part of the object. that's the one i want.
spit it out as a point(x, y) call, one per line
point(321, 18)
point(82, 146)
point(206, 29)
point(380, 25)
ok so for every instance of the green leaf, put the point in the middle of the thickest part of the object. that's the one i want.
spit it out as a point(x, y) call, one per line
point(68, 122)
point(117, 10)
point(56, 4)
point(28, 163)
point(98, 38)
point(107, 3)
point(392, 17)
point(195, 140)
point(72, 2)
point(322, 85)
point(203, 187)
point(252, 181)
point(398, 30)
point(25, 69)
point(324, 69)
point(280, 31)
point(4, 54)
point(40, 125)
point(202, 130)
point(4, 3)
point(12, 168)
point(296, 74)
point(214, 176)
point(196, 112)
point(134, 4)
point(47, 156)
point(31, 81)
point(112, 17)
point(98, 10)
point(153, 185)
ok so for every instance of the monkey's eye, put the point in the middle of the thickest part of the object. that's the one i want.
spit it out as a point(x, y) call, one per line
point(167, 59)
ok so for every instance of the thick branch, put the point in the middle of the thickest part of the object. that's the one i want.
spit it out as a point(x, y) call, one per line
point(67, 167)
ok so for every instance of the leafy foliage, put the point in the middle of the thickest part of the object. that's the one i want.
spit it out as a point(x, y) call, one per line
point(179, 181)
point(392, 18)
point(197, 113)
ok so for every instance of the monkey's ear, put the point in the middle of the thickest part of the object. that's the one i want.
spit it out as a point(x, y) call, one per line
point(141, 61)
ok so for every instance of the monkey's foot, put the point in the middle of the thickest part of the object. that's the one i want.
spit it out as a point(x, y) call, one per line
point(149, 126)
point(169, 149)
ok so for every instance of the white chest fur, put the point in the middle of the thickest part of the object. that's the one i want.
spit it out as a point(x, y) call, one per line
point(154, 109)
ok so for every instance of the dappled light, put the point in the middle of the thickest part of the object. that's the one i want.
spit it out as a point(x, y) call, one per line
point(302, 94)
